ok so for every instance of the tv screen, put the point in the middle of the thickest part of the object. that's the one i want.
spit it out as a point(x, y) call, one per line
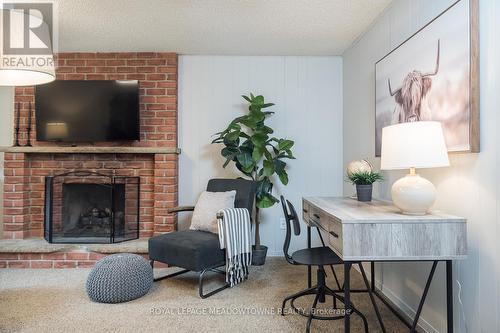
point(87, 111)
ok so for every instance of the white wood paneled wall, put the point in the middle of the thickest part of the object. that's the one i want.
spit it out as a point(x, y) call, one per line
point(307, 92)
point(470, 187)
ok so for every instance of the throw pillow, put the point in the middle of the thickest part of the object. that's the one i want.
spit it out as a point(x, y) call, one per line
point(205, 211)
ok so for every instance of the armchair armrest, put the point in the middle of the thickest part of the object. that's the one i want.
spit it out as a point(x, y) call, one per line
point(180, 209)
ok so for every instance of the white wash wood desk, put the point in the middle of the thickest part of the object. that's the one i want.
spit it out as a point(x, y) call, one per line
point(376, 231)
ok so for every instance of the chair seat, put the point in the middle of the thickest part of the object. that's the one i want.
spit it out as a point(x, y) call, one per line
point(190, 249)
point(316, 256)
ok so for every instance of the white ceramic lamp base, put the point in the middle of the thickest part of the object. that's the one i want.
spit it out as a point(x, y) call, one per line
point(413, 194)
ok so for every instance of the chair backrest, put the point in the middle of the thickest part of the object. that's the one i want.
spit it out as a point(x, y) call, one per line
point(245, 191)
point(290, 216)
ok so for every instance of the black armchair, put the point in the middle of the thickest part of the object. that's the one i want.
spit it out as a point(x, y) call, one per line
point(195, 250)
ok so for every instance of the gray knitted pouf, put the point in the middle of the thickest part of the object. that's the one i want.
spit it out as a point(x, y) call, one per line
point(119, 278)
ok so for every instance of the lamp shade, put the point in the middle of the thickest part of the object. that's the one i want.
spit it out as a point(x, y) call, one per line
point(413, 145)
point(26, 61)
point(25, 77)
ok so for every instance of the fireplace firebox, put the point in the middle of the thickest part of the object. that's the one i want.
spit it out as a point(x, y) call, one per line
point(90, 207)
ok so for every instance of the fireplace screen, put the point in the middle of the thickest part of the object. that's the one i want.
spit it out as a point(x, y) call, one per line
point(88, 207)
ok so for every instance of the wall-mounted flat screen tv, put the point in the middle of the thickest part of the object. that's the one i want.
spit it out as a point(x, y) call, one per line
point(87, 111)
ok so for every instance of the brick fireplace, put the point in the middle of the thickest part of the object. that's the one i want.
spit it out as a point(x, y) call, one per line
point(157, 169)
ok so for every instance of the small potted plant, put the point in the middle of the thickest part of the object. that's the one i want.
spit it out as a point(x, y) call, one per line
point(361, 174)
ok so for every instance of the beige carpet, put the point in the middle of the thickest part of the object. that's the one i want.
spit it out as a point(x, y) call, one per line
point(55, 301)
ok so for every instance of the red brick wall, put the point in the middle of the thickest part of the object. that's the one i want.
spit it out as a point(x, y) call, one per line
point(74, 259)
point(50, 260)
point(24, 173)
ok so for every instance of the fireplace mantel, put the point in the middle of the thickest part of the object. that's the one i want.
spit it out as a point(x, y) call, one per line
point(90, 150)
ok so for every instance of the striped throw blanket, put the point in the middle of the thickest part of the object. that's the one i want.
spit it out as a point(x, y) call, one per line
point(235, 235)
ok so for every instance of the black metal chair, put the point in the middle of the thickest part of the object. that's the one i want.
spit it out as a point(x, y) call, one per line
point(315, 256)
point(195, 250)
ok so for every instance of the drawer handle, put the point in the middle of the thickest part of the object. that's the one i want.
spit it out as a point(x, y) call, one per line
point(305, 210)
point(316, 216)
point(334, 234)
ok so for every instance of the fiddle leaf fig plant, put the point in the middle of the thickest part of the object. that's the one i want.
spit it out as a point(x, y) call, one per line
point(249, 144)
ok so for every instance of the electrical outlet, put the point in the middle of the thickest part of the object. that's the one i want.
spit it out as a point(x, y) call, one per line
point(282, 223)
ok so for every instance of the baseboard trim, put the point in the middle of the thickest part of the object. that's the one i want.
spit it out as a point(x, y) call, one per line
point(405, 309)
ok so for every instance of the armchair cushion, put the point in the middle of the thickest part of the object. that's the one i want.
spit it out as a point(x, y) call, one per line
point(190, 249)
point(205, 212)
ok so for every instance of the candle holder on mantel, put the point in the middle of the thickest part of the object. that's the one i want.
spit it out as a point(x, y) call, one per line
point(18, 109)
point(28, 143)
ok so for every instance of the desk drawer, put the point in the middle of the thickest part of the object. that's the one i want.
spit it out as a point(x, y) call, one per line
point(305, 212)
point(335, 235)
point(328, 225)
point(317, 217)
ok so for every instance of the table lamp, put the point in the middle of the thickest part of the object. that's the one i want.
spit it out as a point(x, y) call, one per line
point(410, 146)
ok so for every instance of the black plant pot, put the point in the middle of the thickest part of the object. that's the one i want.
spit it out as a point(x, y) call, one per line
point(259, 255)
point(364, 192)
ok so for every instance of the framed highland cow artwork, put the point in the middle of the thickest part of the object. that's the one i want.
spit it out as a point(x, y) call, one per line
point(434, 75)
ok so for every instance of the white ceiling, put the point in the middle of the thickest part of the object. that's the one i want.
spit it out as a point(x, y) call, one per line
point(243, 27)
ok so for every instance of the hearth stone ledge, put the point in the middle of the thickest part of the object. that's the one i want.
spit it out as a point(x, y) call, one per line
point(38, 245)
point(38, 253)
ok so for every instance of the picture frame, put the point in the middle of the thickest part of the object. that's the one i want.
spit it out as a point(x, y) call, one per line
point(434, 75)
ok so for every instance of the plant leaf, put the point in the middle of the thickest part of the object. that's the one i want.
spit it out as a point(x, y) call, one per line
point(283, 177)
point(268, 154)
point(257, 154)
point(258, 139)
point(266, 105)
point(285, 144)
point(267, 130)
point(249, 122)
point(268, 200)
point(258, 99)
point(365, 177)
point(279, 166)
point(256, 115)
point(227, 162)
point(264, 186)
point(233, 136)
point(242, 169)
point(245, 159)
point(229, 152)
point(268, 168)
point(265, 202)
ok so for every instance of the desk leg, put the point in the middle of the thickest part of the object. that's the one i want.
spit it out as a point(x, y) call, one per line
point(424, 295)
point(372, 275)
point(309, 281)
point(347, 296)
point(449, 295)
